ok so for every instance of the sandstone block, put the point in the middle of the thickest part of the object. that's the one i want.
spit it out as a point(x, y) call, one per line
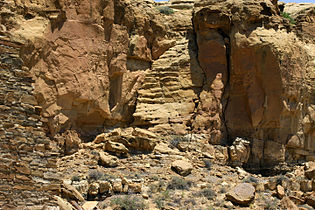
point(182, 167)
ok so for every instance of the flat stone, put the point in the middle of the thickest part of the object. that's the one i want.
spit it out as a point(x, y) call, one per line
point(310, 170)
point(64, 205)
point(280, 191)
point(90, 205)
point(108, 160)
point(74, 193)
point(242, 194)
point(182, 167)
point(310, 200)
point(116, 147)
point(286, 203)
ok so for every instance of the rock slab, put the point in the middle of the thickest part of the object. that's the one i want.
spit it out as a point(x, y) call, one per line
point(242, 194)
point(182, 167)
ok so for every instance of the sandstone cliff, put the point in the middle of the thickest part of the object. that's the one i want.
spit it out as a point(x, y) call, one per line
point(121, 75)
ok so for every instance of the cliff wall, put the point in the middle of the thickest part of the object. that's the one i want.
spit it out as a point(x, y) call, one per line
point(222, 70)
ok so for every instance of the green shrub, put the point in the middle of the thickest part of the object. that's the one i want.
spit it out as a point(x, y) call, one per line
point(166, 10)
point(288, 16)
point(160, 186)
point(95, 175)
point(177, 139)
point(75, 178)
point(251, 179)
point(179, 183)
point(223, 190)
point(129, 202)
point(208, 164)
point(208, 193)
point(160, 200)
point(99, 175)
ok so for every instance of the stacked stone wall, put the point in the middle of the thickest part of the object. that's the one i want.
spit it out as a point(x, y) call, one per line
point(27, 162)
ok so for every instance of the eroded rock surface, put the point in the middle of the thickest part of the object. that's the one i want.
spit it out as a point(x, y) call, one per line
point(266, 98)
point(125, 89)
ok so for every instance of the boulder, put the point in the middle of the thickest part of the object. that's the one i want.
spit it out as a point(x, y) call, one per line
point(63, 204)
point(280, 192)
point(239, 152)
point(163, 148)
point(242, 194)
point(135, 187)
point(182, 167)
point(105, 186)
point(72, 142)
point(310, 200)
point(117, 186)
point(310, 170)
point(116, 148)
point(286, 203)
point(94, 189)
point(107, 160)
point(136, 139)
point(306, 185)
point(71, 192)
point(90, 205)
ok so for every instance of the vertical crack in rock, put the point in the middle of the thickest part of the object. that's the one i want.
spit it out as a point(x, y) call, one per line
point(226, 91)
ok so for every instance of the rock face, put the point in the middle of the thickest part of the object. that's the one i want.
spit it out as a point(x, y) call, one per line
point(267, 98)
point(118, 76)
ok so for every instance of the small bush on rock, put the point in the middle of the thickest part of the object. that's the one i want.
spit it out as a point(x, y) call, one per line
point(177, 139)
point(160, 200)
point(208, 193)
point(287, 16)
point(208, 164)
point(95, 175)
point(75, 178)
point(129, 202)
point(166, 10)
point(179, 184)
point(251, 179)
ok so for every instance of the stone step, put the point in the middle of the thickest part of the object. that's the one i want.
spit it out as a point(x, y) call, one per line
point(173, 88)
point(154, 90)
point(150, 85)
point(150, 101)
point(150, 79)
point(169, 74)
point(170, 68)
point(151, 95)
